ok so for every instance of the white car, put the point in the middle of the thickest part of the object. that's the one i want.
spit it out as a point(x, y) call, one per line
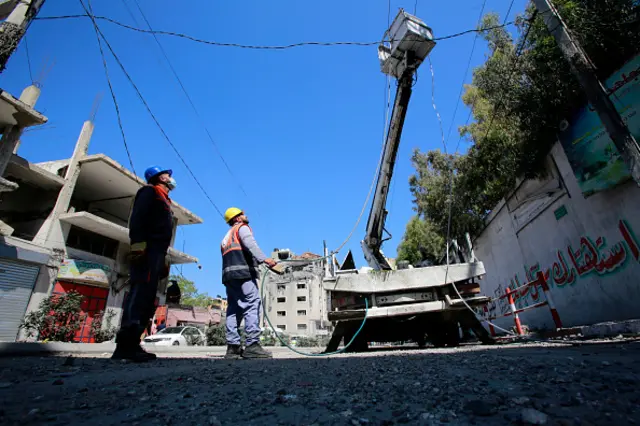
point(177, 336)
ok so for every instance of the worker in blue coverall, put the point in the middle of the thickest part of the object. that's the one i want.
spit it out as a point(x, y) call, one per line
point(240, 259)
point(150, 232)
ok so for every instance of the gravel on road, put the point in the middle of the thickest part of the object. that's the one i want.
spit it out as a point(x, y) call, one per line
point(499, 385)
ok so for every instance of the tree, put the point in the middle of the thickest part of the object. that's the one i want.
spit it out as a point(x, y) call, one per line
point(517, 97)
point(189, 294)
point(421, 242)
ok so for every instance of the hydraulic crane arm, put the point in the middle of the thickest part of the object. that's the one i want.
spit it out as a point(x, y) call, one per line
point(407, 43)
point(377, 217)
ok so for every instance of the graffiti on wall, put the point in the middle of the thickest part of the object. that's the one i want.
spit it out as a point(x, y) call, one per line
point(586, 257)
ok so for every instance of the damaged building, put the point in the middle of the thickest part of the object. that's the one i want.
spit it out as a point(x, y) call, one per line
point(64, 227)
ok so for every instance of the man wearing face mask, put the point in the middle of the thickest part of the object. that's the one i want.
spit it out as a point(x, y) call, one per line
point(150, 232)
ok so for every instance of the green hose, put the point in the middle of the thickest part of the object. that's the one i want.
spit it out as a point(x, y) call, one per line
point(264, 311)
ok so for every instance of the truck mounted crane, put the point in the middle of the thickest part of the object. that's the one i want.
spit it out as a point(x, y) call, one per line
point(418, 304)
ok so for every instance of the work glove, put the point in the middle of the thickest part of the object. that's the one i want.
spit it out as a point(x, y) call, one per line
point(138, 252)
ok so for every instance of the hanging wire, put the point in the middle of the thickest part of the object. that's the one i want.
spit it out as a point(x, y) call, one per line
point(148, 108)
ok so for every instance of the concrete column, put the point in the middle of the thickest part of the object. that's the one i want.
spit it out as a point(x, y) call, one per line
point(14, 27)
point(51, 233)
point(11, 135)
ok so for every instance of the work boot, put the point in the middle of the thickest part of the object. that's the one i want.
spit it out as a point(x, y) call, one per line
point(128, 347)
point(233, 352)
point(130, 353)
point(256, 351)
point(150, 356)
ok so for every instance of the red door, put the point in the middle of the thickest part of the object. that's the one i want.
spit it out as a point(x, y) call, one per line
point(95, 300)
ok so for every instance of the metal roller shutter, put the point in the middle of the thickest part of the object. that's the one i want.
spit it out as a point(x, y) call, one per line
point(16, 284)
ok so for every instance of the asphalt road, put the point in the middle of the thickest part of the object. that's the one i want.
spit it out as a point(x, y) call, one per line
point(593, 384)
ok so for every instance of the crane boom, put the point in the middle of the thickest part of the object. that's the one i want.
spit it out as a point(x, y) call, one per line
point(377, 216)
point(410, 43)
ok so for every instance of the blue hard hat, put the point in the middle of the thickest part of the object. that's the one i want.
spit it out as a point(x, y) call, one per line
point(154, 171)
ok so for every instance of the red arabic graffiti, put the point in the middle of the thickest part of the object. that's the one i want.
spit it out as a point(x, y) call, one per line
point(586, 258)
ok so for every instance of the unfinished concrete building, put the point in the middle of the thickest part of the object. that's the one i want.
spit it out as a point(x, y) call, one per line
point(64, 227)
point(296, 302)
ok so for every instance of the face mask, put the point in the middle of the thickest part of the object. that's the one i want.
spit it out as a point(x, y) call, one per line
point(171, 183)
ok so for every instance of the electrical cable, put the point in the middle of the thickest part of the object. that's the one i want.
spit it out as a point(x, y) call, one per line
point(433, 102)
point(26, 48)
point(115, 100)
point(186, 93)
point(166, 136)
point(451, 192)
point(473, 48)
point(254, 46)
point(339, 351)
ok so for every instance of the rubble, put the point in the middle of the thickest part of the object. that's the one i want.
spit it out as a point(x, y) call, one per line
point(512, 384)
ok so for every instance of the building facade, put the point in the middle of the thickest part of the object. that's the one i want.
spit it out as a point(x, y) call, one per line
point(64, 227)
point(296, 302)
point(588, 248)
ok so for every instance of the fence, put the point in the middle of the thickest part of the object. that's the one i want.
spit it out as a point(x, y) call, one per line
point(539, 281)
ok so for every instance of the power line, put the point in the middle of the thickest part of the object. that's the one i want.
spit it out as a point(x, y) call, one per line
point(513, 67)
point(259, 47)
point(473, 48)
point(517, 55)
point(166, 136)
point(495, 109)
point(26, 48)
point(433, 102)
point(113, 97)
point(186, 93)
point(508, 11)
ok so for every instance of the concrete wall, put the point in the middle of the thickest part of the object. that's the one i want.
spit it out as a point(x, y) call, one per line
point(590, 254)
point(30, 200)
point(310, 278)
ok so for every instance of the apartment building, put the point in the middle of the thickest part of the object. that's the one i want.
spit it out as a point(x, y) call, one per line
point(296, 302)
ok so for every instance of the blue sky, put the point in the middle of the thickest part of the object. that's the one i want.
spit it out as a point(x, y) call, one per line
point(301, 129)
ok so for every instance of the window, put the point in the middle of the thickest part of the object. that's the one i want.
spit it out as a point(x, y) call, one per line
point(91, 242)
point(281, 327)
point(302, 313)
point(302, 298)
point(302, 286)
point(282, 299)
point(282, 313)
point(302, 326)
point(281, 287)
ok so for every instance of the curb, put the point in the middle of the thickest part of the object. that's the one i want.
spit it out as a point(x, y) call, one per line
point(603, 329)
point(60, 348)
point(57, 348)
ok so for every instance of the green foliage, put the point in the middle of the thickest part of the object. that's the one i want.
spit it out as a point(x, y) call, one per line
point(517, 105)
point(189, 294)
point(420, 242)
point(102, 328)
point(216, 335)
point(58, 318)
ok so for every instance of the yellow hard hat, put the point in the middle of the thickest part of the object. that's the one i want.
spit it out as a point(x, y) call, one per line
point(231, 213)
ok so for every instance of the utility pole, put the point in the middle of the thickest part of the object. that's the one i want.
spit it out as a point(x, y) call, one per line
point(18, 14)
point(597, 95)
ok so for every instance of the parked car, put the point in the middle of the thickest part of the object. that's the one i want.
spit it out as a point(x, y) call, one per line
point(176, 336)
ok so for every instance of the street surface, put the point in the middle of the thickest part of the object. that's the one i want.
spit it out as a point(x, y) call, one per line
point(592, 384)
